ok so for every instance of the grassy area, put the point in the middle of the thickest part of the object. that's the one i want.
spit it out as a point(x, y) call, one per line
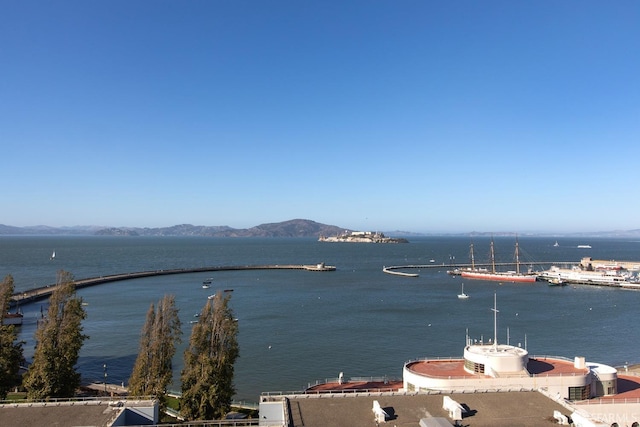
point(173, 403)
point(17, 396)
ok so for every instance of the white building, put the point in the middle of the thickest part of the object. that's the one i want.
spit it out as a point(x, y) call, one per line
point(500, 367)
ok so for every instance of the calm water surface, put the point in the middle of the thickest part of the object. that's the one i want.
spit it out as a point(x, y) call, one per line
point(297, 327)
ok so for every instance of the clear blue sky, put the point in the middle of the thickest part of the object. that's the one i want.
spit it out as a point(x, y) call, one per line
point(428, 116)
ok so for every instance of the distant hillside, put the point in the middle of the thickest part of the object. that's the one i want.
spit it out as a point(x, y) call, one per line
point(595, 234)
point(292, 228)
point(44, 230)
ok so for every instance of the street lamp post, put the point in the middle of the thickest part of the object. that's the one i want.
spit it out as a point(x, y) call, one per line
point(105, 377)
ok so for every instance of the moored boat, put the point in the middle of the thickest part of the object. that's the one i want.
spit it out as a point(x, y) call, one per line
point(556, 281)
point(577, 275)
point(12, 318)
point(462, 295)
point(506, 276)
point(501, 276)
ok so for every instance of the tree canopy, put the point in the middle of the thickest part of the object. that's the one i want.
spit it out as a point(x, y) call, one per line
point(11, 356)
point(207, 377)
point(59, 339)
point(153, 369)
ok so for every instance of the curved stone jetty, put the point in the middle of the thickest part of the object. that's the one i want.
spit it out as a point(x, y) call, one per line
point(44, 292)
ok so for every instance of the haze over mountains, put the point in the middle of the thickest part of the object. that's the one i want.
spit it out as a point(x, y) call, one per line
point(290, 228)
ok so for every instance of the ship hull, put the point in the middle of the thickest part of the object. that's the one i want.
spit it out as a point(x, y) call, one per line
point(499, 277)
point(12, 319)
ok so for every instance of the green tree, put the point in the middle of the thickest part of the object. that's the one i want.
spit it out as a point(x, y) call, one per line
point(11, 356)
point(141, 376)
point(59, 339)
point(153, 369)
point(207, 377)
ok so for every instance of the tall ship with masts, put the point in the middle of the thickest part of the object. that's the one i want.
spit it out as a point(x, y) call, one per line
point(501, 276)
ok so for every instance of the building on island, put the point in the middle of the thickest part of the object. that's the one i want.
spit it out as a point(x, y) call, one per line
point(362, 237)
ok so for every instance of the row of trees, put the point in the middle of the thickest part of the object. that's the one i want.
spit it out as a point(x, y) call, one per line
point(59, 339)
point(10, 349)
point(207, 377)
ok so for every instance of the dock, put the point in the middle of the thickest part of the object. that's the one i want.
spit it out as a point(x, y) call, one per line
point(454, 269)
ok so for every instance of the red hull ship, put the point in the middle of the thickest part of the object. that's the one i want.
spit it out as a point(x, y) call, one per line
point(507, 276)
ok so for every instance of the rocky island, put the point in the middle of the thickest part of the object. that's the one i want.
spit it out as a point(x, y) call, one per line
point(362, 237)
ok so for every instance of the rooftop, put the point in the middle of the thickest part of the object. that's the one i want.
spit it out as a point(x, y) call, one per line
point(74, 412)
point(523, 409)
point(440, 368)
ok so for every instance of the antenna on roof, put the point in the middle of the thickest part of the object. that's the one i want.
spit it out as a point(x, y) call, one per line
point(495, 321)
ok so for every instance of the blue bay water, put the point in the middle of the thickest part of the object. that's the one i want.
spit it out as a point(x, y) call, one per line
point(297, 327)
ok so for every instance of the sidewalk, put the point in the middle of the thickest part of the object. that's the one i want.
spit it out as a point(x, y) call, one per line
point(110, 388)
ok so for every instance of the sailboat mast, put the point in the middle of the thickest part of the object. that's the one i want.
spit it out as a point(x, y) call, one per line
point(493, 258)
point(517, 258)
point(495, 321)
point(473, 261)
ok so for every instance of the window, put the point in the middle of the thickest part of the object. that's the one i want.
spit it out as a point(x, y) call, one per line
point(477, 368)
point(579, 393)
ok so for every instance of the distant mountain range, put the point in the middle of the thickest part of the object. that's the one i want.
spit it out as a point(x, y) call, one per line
point(291, 228)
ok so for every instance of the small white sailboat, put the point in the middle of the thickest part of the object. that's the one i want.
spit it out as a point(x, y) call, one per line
point(462, 295)
point(53, 256)
point(555, 245)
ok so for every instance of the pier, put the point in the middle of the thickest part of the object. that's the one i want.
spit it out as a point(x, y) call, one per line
point(392, 270)
point(45, 292)
point(453, 267)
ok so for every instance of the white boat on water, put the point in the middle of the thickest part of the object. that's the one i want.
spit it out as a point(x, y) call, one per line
point(462, 295)
point(556, 275)
point(556, 281)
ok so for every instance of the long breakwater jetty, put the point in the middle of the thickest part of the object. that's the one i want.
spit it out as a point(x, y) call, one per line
point(44, 292)
point(395, 269)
